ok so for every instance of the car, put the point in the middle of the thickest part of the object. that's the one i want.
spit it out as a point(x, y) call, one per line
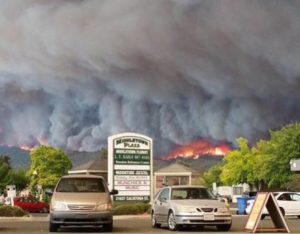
point(288, 202)
point(31, 204)
point(179, 206)
point(81, 200)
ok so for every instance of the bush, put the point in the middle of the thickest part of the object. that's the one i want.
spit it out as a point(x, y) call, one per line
point(131, 209)
point(12, 211)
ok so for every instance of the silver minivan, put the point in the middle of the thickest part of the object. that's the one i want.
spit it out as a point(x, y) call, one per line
point(81, 200)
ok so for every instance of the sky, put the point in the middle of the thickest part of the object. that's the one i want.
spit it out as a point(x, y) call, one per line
point(73, 72)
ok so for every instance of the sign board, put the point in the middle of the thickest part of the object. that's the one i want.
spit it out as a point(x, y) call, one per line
point(11, 190)
point(295, 165)
point(130, 166)
point(268, 201)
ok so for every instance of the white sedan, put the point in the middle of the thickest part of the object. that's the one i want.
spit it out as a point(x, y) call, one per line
point(179, 206)
point(288, 202)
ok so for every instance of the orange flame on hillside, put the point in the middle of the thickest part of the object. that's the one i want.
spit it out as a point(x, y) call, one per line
point(40, 141)
point(198, 149)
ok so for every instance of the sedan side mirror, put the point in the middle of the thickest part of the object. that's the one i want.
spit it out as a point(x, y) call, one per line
point(114, 192)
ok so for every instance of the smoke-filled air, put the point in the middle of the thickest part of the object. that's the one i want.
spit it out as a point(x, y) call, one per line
point(73, 72)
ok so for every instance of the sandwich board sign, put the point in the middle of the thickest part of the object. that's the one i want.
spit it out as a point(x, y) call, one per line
point(130, 166)
point(268, 201)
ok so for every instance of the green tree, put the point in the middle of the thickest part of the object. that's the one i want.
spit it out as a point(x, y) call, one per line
point(4, 171)
point(48, 164)
point(18, 178)
point(283, 146)
point(235, 169)
point(213, 175)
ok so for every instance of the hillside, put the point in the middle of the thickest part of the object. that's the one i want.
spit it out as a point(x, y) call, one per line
point(18, 158)
point(21, 159)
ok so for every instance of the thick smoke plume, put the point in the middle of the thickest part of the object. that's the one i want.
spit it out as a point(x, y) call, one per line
point(75, 72)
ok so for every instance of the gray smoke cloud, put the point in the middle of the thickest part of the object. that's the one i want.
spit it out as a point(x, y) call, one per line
point(75, 72)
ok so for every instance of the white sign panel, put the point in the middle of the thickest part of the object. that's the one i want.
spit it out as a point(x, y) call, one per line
point(130, 166)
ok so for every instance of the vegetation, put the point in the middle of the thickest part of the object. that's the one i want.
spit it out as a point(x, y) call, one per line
point(10, 176)
point(12, 211)
point(48, 165)
point(265, 165)
point(131, 209)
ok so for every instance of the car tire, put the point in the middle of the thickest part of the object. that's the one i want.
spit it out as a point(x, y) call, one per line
point(172, 225)
point(282, 211)
point(53, 227)
point(298, 216)
point(108, 227)
point(154, 222)
point(224, 227)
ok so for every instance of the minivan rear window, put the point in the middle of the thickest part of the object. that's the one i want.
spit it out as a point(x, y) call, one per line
point(84, 185)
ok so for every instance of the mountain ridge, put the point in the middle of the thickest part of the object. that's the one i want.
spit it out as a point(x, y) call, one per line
point(20, 159)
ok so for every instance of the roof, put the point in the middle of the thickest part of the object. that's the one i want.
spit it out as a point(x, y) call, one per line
point(185, 186)
point(177, 168)
point(99, 164)
point(82, 176)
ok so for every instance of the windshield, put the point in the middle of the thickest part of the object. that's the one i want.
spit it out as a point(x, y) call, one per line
point(191, 193)
point(75, 185)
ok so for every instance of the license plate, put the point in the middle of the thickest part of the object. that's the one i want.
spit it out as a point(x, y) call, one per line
point(209, 217)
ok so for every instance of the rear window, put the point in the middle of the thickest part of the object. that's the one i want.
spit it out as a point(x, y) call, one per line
point(84, 185)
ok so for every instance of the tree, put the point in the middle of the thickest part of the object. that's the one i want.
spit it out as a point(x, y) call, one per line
point(18, 178)
point(48, 164)
point(283, 146)
point(213, 175)
point(4, 171)
point(235, 169)
point(267, 164)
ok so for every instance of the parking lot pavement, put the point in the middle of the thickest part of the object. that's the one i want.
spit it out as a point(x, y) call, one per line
point(38, 223)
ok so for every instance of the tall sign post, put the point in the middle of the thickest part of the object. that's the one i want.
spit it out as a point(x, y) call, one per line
point(130, 167)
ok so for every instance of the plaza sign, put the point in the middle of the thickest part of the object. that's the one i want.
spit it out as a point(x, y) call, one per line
point(130, 166)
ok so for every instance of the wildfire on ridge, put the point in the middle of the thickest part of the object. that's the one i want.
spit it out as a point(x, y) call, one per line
point(198, 149)
point(40, 141)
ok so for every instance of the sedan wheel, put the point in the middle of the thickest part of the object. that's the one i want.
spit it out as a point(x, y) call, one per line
point(172, 222)
point(154, 222)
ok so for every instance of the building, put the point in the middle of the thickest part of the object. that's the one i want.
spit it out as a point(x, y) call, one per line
point(94, 167)
point(174, 174)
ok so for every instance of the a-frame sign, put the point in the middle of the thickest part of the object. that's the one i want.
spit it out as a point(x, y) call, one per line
point(266, 200)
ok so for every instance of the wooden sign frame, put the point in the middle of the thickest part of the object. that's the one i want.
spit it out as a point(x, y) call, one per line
point(266, 200)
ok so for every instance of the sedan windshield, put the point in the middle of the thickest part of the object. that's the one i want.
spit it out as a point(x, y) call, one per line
point(75, 185)
point(191, 193)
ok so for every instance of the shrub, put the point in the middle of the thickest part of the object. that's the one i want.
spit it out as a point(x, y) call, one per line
point(12, 211)
point(131, 209)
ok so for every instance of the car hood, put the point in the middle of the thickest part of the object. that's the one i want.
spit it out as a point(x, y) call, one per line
point(82, 198)
point(199, 203)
